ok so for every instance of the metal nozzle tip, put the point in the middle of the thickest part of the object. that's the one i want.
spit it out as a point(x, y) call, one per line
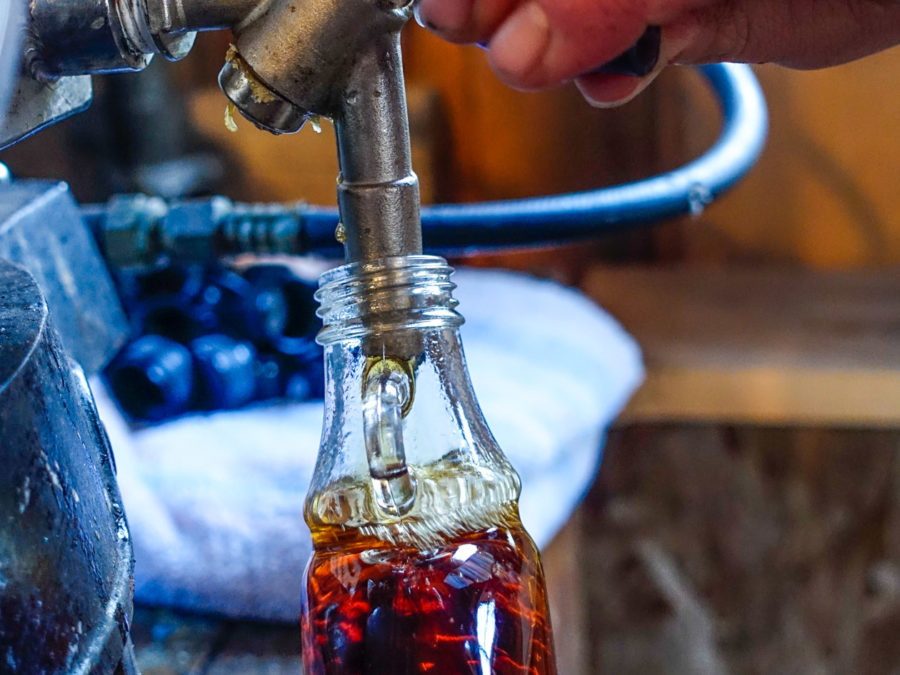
point(255, 101)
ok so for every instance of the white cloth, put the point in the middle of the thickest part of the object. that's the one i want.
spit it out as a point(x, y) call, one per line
point(215, 502)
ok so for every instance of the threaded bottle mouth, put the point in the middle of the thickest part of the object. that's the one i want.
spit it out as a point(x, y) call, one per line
point(361, 300)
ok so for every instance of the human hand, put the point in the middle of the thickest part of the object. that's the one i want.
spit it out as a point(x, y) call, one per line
point(533, 44)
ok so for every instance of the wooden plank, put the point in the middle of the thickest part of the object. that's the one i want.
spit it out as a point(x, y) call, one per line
point(744, 550)
point(769, 396)
point(761, 346)
point(568, 610)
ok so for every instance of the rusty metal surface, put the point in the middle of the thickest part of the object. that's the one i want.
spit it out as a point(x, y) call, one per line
point(65, 553)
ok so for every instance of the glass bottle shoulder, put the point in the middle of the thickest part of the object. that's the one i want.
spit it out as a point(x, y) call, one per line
point(455, 496)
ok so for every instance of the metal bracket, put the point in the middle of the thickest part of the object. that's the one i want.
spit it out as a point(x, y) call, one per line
point(36, 105)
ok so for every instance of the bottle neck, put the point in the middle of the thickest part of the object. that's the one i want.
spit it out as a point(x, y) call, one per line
point(380, 302)
point(406, 455)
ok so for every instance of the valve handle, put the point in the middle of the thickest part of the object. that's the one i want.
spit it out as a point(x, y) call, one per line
point(640, 60)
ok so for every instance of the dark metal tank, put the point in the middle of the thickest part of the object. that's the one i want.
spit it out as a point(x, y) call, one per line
point(65, 555)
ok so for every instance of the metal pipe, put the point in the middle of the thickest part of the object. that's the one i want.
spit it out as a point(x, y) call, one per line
point(82, 37)
point(378, 193)
point(292, 59)
point(341, 59)
point(181, 16)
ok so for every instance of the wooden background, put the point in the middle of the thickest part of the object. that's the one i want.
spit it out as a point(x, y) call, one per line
point(722, 542)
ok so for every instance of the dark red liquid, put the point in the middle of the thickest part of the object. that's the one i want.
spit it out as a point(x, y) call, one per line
point(474, 605)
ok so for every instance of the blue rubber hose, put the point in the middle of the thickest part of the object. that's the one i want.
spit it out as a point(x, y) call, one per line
point(560, 218)
point(520, 222)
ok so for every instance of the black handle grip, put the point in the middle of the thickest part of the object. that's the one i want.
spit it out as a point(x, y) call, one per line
point(639, 60)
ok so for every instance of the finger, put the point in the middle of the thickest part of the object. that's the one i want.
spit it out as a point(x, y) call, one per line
point(610, 91)
point(443, 15)
point(545, 42)
point(799, 34)
point(464, 21)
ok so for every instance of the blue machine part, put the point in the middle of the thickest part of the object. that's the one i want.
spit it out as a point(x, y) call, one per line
point(224, 368)
point(211, 339)
point(153, 378)
point(294, 304)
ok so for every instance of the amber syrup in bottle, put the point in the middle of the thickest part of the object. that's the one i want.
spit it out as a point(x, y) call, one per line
point(420, 561)
point(471, 603)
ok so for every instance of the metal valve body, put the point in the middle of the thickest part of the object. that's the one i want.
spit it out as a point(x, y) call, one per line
point(291, 60)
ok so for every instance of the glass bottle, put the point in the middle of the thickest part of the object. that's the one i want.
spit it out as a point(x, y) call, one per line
point(420, 562)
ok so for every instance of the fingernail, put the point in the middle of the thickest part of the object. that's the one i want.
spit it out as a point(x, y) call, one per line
point(521, 40)
point(620, 98)
point(443, 16)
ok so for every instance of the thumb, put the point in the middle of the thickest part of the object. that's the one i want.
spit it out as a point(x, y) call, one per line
point(545, 42)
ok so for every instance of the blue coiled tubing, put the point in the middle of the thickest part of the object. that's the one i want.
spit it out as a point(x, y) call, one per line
point(560, 218)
